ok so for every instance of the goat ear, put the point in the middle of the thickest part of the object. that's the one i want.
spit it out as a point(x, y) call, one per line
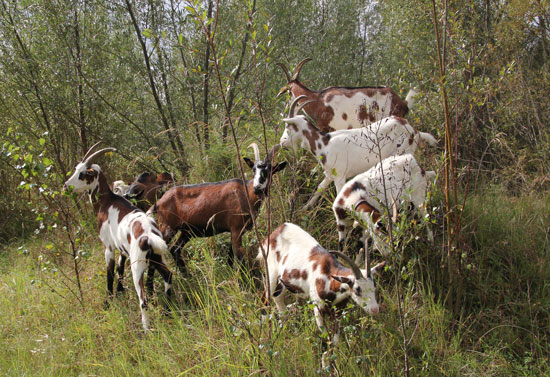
point(249, 162)
point(378, 268)
point(343, 279)
point(280, 166)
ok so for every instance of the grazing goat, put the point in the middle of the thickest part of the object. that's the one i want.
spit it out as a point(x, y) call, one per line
point(207, 209)
point(120, 188)
point(346, 153)
point(148, 188)
point(341, 108)
point(124, 227)
point(298, 264)
point(397, 179)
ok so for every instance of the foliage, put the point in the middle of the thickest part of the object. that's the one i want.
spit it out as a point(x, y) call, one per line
point(167, 85)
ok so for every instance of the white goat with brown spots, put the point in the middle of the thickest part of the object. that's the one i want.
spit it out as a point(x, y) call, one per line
point(340, 108)
point(395, 180)
point(298, 264)
point(346, 153)
point(122, 227)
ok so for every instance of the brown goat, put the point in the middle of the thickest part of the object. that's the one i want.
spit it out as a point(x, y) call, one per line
point(206, 209)
point(148, 188)
point(340, 108)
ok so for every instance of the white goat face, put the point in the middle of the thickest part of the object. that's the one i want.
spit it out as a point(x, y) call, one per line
point(363, 293)
point(261, 176)
point(290, 138)
point(85, 178)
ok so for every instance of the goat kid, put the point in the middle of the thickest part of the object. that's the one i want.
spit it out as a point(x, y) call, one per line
point(341, 108)
point(395, 180)
point(346, 153)
point(122, 227)
point(298, 264)
point(206, 209)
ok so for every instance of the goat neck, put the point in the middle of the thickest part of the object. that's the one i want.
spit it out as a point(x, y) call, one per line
point(101, 193)
point(298, 89)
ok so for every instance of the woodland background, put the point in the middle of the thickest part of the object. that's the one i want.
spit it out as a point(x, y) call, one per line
point(177, 86)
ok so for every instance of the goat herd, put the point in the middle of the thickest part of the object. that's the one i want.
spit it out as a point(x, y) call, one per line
point(352, 132)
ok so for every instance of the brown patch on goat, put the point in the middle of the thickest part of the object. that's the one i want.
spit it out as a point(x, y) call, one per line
point(323, 158)
point(320, 257)
point(345, 116)
point(273, 238)
point(144, 243)
point(284, 259)
point(355, 187)
point(336, 286)
point(411, 139)
point(341, 212)
point(292, 287)
point(278, 255)
point(365, 207)
point(137, 229)
point(129, 238)
point(320, 285)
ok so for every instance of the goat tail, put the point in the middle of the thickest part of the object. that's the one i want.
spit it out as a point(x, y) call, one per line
point(411, 97)
point(152, 241)
point(428, 139)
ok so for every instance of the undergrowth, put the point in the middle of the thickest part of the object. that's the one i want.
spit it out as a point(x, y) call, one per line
point(218, 326)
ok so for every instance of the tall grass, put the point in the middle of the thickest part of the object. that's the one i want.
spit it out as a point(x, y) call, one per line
point(217, 325)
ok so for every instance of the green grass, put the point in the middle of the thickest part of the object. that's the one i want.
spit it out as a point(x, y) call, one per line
point(503, 329)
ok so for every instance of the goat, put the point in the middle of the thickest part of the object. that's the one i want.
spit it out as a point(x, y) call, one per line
point(120, 188)
point(148, 188)
point(340, 108)
point(298, 264)
point(395, 180)
point(206, 209)
point(122, 227)
point(346, 153)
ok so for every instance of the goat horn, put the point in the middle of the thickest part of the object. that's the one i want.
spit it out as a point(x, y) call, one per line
point(367, 261)
point(299, 68)
point(293, 104)
point(354, 267)
point(285, 70)
point(272, 151)
point(90, 150)
point(254, 146)
point(97, 154)
point(303, 104)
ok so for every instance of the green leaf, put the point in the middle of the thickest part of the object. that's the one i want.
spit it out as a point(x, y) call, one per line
point(42, 141)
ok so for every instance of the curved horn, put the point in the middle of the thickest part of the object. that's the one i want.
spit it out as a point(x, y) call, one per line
point(97, 154)
point(90, 150)
point(303, 104)
point(291, 113)
point(367, 261)
point(299, 68)
point(272, 151)
point(285, 70)
point(254, 146)
point(354, 267)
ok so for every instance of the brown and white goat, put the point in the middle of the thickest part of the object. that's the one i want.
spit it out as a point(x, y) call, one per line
point(395, 180)
point(298, 264)
point(122, 227)
point(206, 209)
point(148, 188)
point(340, 108)
point(346, 153)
